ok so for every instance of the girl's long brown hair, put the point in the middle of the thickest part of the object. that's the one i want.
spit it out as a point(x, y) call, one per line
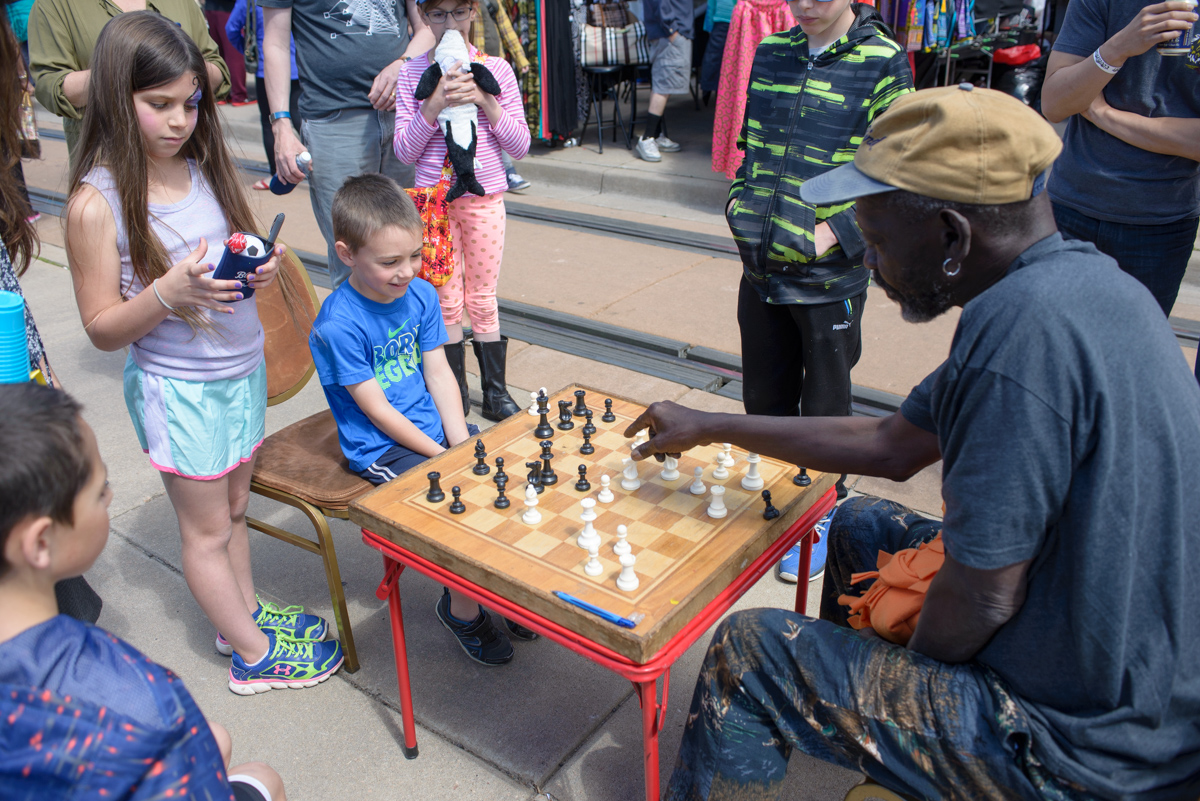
point(139, 50)
point(20, 237)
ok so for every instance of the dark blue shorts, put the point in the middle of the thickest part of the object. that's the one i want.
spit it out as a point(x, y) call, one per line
point(399, 459)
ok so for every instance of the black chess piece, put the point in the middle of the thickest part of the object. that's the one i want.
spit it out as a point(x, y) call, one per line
point(587, 448)
point(500, 474)
point(770, 513)
point(481, 468)
point(801, 479)
point(583, 485)
point(543, 403)
point(565, 423)
point(580, 407)
point(548, 475)
point(535, 476)
point(543, 429)
point(608, 415)
point(501, 501)
point(546, 448)
point(435, 494)
point(589, 427)
point(457, 507)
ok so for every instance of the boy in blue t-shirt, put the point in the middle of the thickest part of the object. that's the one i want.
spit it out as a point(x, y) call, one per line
point(86, 715)
point(377, 344)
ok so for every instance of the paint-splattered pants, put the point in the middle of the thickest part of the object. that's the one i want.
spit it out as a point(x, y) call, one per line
point(477, 226)
point(775, 680)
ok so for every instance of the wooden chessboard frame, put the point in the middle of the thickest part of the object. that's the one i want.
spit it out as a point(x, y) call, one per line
point(679, 590)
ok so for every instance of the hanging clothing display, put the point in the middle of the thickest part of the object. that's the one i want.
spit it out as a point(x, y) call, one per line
point(925, 25)
point(753, 21)
point(549, 89)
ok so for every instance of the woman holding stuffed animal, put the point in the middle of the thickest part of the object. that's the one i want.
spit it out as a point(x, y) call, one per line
point(431, 134)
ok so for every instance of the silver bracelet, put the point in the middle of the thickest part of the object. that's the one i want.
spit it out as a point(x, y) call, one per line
point(1104, 65)
point(154, 286)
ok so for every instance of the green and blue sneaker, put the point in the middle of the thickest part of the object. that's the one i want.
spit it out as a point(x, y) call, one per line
point(289, 621)
point(287, 664)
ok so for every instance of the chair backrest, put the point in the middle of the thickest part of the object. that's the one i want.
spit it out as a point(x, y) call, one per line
point(289, 361)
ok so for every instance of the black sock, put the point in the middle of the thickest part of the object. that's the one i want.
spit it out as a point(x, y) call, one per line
point(653, 126)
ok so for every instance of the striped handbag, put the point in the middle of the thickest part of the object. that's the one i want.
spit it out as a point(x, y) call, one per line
point(613, 47)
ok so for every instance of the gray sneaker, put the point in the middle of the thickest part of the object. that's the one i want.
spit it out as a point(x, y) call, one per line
point(666, 145)
point(647, 150)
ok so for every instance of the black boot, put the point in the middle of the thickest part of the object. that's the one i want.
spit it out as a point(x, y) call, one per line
point(455, 354)
point(492, 356)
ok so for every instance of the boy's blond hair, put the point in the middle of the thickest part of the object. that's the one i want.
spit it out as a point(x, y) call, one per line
point(366, 204)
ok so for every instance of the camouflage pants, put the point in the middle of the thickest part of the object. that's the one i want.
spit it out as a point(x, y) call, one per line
point(774, 680)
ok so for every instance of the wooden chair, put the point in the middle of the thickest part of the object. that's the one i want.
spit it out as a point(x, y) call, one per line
point(302, 465)
point(869, 789)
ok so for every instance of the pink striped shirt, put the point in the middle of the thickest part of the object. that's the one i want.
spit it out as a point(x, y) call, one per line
point(418, 142)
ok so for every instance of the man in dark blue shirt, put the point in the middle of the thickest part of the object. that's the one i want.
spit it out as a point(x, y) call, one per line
point(1055, 655)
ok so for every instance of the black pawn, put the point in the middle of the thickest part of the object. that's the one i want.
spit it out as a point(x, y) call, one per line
point(480, 468)
point(770, 513)
point(587, 448)
point(608, 415)
point(589, 427)
point(548, 475)
point(500, 474)
point(457, 507)
point(535, 476)
point(501, 501)
point(435, 494)
point(564, 416)
point(583, 485)
point(580, 407)
point(801, 479)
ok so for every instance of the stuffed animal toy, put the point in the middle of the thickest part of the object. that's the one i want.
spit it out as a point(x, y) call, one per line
point(459, 123)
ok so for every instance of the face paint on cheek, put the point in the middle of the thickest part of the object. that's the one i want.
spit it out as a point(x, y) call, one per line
point(195, 98)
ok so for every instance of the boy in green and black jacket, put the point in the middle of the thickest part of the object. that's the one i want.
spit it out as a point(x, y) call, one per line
point(813, 91)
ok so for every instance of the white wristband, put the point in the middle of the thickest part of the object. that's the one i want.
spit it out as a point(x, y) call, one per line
point(1104, 65)
point(154, 286)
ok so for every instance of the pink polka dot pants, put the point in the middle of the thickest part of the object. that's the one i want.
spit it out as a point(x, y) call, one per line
point(477, 226)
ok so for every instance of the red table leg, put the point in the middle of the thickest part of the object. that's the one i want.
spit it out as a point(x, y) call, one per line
point(391, 581)
point(653, 714)
point(805, 567)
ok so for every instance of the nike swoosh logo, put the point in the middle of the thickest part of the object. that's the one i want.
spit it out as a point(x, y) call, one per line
point(393, 332)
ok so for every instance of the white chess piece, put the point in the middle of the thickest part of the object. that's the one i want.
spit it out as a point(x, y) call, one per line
point(533, 409)
point(588, 538)
point(606, 494)
point(532, 516)
point(717, 507)
point(593, 566)
point(726, 455)
point(720, 473)
point(670, 471)
point(628, 580)
point(698, 487)
point(621, 546)
point(629, 476)
point(752, 480)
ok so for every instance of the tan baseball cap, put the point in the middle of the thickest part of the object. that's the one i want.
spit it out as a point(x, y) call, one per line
point(958, 143)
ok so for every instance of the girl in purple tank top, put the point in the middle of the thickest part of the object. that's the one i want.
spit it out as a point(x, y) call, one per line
point(154, 194)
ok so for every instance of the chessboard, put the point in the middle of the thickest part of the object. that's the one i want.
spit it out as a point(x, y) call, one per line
point(684, 557)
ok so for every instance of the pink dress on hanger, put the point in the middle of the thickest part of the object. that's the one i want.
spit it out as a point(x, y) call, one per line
point(753, 21)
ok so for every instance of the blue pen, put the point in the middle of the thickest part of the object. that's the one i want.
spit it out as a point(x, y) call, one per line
point(595, 610)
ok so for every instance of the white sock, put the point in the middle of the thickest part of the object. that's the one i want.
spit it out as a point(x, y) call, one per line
point(253, 782)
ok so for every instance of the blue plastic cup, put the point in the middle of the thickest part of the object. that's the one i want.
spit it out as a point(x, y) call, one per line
point(12, 313)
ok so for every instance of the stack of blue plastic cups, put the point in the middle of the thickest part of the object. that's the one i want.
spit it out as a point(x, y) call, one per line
point(14, 351)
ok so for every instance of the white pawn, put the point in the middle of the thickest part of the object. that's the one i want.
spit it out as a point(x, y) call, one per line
point(629, 477)
point(606, 494)
point(588, 538)
point(698, 487)
point(621, 546)
point(670, 471)
point(533, 408)
point(628, 580)
point(727, 457)
point(717, 507)
point(593, 566)
point(752, 480)
point(532, 516)
point(720, 473)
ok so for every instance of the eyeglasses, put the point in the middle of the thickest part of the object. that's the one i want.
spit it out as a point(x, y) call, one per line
point(438, 16)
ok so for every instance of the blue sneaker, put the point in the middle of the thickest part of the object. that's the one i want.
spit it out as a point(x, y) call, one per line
point(480, 638)
point(789, 565)
point(288, 664)
point(290, 621)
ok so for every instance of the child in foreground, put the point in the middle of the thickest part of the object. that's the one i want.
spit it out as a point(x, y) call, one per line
point(86, 714)
point(153, 186)
point(379, 348)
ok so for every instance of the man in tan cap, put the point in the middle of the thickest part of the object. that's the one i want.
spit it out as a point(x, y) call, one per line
point(1057, 649)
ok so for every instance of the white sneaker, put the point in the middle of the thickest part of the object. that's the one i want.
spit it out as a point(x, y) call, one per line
point(516, 183)
point(666, 145)
point(647, 150)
